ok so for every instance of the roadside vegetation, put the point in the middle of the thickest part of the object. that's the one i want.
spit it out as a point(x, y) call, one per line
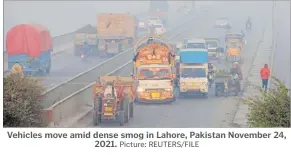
point(21, 102)
point(271, 108)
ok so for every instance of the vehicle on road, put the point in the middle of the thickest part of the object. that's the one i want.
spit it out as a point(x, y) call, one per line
point(159, 29)
point(153, 21)
point(213, 47)
point(116, 32)
point(30, 46)
point(195, 43)
point(226, 84)
point(222, 22)
point(234, 47)
point(153, 71)
point(86, 34)
point(193, 72)
point(113, 99)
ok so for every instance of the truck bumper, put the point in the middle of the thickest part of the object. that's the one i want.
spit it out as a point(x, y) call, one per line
point(192, 92)
point(168, 100)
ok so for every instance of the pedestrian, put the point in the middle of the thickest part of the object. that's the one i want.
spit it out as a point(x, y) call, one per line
point(265, 74)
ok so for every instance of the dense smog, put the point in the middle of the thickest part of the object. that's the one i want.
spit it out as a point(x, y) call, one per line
point(146, 64)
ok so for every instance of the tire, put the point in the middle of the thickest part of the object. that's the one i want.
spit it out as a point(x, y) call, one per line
point(96, 115)
point(216, 92)
point(122, 113)
point(121, 118)
point(131, 109)
point(126, 111)
point(48, 69)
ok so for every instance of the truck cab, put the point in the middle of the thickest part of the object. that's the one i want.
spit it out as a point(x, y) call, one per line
point(155, 83)
point(193, 72)
point(213, 47)
point(159, 29)
point(195, 43)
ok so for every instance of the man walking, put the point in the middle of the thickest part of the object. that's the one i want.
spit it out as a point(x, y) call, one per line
point(265, 74)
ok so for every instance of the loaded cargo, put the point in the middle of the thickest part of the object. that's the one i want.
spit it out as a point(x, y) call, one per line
point(30, 46)
point(154, 70)
point(87, 34)
point(116, 32)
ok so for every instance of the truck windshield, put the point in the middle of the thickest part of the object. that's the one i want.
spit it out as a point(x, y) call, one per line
point(154, 74)
point(212, 44)
point(196, 45)
point(193, 73)
point(158, 26)
point(233, 45)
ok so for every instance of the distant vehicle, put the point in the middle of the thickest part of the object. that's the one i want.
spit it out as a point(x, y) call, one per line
point(195, 43)
point(222, 22)
point(159, 29)
point(154, 20)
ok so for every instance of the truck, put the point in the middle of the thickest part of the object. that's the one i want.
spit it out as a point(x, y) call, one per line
point(116, 32)
point(153, 71)
point(159, 29)
point(87, 33)
point(193, 72)
point(159, 9)
point(113, 99)
point(29, 46)
point(214, 48)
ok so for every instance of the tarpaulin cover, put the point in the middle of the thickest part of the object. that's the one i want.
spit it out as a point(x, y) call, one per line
point(193, 56)
point(28, 39)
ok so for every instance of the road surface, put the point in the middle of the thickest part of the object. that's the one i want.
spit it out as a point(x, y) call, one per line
point(191, 112)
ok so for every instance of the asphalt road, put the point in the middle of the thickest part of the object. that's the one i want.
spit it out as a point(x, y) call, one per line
point(191, 112)
point(281, 68)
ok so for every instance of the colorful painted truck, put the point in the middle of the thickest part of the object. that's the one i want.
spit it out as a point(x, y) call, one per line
point(87, 34)
point(153, 71)
point(113, 99)
point(193, 72)
point(116, 32)
point(30, 46)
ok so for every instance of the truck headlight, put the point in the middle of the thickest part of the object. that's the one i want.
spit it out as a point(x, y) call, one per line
point(168, 89)
point(140, 89)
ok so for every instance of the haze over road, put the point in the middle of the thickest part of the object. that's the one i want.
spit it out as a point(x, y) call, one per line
point(199, 112)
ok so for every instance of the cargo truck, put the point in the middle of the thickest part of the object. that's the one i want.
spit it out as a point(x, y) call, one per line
point(116, 32)
point(29, 46)
point(193, 71)
point(153, 71)
point(87, 33)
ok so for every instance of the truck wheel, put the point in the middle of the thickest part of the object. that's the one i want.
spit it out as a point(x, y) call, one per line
point(48, 69)
point(126, 111)
point(216, 92)
point(131, 109)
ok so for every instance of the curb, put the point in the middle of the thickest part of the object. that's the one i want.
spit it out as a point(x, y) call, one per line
point(245, 86)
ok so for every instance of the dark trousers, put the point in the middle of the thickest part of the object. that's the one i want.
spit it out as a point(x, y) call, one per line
point(265, 84)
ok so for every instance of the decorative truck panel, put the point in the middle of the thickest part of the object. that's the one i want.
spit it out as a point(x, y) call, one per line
point(116, 25)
